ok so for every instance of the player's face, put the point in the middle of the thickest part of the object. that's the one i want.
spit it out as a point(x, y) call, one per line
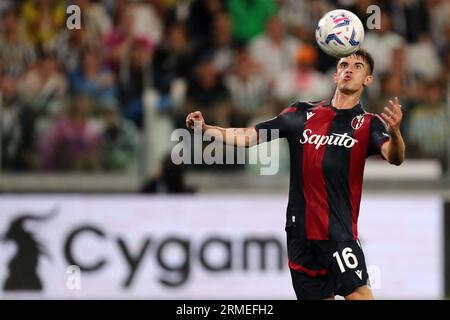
point(352, 74)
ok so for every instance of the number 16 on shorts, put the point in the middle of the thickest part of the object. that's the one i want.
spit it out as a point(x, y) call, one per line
point(346, 258)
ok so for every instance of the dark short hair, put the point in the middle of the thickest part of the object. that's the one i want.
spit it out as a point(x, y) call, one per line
point(366, 56)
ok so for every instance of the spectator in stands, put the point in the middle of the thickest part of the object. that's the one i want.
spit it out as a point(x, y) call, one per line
point(44, 86)
point(119, 39)
point(446, 73)
point(221, 46)
point(93, 79)
point(69, 45)
point(202, 18)
point(423, 59)
point(42, 19)
point(409, 18)
point(300, 17)
point(428, 127)
point(304, 82)
point(17, 127)
point(135, 76)
point(172, 61)
point(248, 89)
point(208, 93)
point(274, 50)
point(401, 79)
point(146, 21)
point(14, 51)
point(73, 144)
point(440, 24)
point(10, 125)
point(381, 42)
point(119, 142)
point(95, 18)
point(250, 17)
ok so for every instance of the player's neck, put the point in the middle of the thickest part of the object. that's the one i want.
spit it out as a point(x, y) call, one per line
point(345, 101)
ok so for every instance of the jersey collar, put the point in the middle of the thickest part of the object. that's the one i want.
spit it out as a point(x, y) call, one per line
point(357, 109)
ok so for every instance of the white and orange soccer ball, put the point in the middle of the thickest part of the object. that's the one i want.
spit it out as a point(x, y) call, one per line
point(339, 33)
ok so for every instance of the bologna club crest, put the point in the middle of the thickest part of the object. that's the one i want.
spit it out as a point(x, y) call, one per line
point(357, 121)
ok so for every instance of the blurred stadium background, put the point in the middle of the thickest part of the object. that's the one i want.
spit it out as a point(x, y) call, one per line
point(86, 117)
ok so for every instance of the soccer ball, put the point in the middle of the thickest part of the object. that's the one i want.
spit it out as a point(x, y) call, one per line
point(339, 33)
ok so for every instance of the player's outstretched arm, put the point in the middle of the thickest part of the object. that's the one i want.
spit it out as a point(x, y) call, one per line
point(394, 149)
point(239, 137)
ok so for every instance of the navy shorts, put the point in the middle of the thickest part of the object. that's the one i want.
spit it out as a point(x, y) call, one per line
point(332, 268)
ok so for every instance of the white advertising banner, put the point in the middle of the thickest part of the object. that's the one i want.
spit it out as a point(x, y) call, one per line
point(198, 247)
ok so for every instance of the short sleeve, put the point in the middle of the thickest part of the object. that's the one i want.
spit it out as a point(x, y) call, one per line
point(378, 136)
point(274, 128)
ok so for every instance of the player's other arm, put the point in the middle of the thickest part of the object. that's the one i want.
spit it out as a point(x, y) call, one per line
point(239, 137)
point(394, 149)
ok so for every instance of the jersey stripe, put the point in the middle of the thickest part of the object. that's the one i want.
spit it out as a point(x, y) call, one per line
point(357, 161)
point(314, 187)
point(288, 109)
point(309, 272)
point(336, 168)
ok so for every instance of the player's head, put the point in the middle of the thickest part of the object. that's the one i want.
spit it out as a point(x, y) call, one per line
point(354, 72)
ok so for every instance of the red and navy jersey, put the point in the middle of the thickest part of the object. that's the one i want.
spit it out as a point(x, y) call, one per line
point(328, 148)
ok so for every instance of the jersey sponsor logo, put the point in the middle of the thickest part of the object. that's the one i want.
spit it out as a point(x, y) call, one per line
point(357, 121)
point(359, 273)
point(337, 139)
point(309, 114)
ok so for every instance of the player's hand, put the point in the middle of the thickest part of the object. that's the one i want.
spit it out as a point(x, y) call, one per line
point(193, 118)
point(393, 116)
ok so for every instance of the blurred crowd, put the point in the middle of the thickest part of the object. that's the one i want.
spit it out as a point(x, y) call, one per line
point(73, 100)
